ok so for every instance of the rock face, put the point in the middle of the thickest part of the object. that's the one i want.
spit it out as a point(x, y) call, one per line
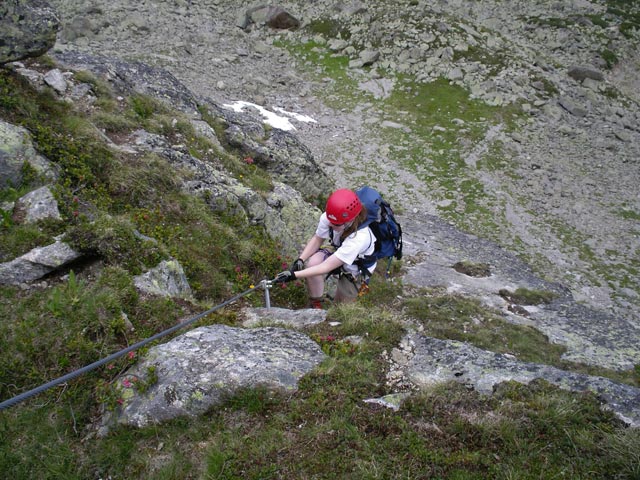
point(199, 369)
point(434, 361)
point(16, 150)
point(591, 336)
point(28, 28)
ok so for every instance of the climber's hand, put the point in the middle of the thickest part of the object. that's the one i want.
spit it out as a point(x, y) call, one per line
point(297, 265)
point(285, 277)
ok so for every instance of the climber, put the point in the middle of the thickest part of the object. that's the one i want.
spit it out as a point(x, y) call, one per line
point(350, 247)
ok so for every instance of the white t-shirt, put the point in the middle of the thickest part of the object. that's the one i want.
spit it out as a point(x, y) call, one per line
point(357, 245)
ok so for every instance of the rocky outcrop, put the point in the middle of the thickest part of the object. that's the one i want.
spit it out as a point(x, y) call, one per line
point(283, 212)
point(430, 361)
point(200, 369)
point(16, 151)
point(280, 153)
point(133, 77)
point(166, 280)
point(590, 336)
point(254, 317)
point(37, 205)
point(272, 16)
point(37, 263)
point(28, 28)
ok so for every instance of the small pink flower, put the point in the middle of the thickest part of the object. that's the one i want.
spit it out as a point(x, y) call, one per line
point(120, 401)
point(126, 383)
point(76, 213)
point(248, 161)
point(284, 266)
point(75, 200)
point(111, 366)
point(238, 269)
point(131, 355)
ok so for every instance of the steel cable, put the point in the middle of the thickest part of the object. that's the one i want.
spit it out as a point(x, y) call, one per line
point(76, 373)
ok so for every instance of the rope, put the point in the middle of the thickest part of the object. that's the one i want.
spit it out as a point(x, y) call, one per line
point(69, 376)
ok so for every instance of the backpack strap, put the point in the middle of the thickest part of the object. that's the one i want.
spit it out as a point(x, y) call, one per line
point(366, 261)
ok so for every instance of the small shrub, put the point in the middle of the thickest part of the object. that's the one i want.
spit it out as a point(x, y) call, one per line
point(144, 106)
point(333, 346)
point(609, 57)
point(113, 239)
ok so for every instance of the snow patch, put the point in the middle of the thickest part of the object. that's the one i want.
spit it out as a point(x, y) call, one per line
point(271, 118)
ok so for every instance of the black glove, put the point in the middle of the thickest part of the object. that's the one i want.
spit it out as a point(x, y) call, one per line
point(285, 277)
point(297, 265)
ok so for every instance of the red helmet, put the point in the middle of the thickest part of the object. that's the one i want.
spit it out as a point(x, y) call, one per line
point(343, 206)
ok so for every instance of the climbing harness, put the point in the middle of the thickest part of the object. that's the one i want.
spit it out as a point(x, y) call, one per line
point(265, 284)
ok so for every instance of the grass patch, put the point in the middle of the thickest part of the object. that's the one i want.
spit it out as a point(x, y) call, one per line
point(524, 296)
point(329, 28)
point(472, 269)
point(629, 214)
point(455, 317)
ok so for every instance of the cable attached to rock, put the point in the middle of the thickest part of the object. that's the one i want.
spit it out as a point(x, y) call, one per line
point(266, 284)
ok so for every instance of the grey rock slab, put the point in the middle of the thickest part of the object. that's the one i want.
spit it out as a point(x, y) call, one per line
point(201, 368)
point(593, 337)
point(435, 361)
point(283, 316)
point(37, 263)
point(166, 280)
point(36, 205)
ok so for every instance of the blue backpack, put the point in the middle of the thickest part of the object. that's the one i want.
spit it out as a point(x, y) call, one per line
point(384, 226)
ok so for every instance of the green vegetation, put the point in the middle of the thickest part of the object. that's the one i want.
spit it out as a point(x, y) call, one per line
point(455, 317)
point(472, 269)
point(610, 57)
point(329, 28)
point(524, 296)
point(628, 11)
point(440, 120)
point(128, 213)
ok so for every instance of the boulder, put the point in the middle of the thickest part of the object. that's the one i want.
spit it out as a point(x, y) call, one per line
point(582, 73)
point(272, 16)
point(201, 368)
point(16, 150)
point(28, 28)
point(37, 263)
point(36, 205)
point(166, 280)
